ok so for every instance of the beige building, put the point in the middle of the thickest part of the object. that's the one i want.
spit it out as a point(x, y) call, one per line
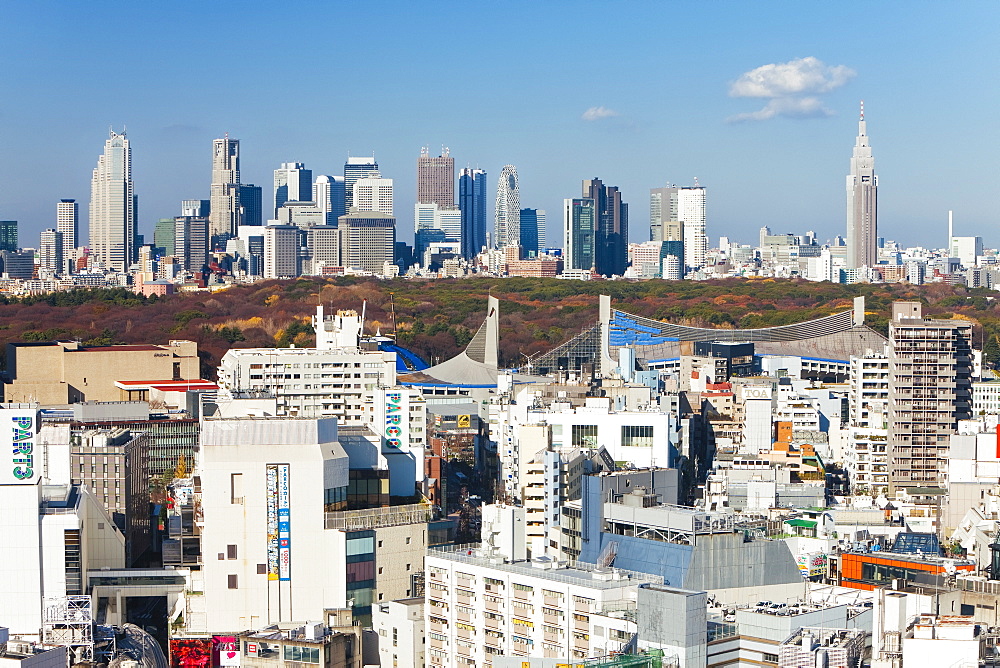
point(65, 372)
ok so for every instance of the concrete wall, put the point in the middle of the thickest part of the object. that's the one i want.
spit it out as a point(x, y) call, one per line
point(674, 620)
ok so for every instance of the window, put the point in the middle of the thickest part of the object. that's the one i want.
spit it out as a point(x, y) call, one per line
point(233, 582)
point(236, 488)
point(585, 436)
point(231, 551)
point(637, 436)
point(302, 654)
point(768, 658)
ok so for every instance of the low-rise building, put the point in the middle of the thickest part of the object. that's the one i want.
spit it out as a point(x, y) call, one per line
point(399, 626)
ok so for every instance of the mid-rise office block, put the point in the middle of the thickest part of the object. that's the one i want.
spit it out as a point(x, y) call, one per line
point(164, 236)
point(191, 241)
point(372, 194)
point(196, 207)
point(50, 251)
point(251, 205)
point(368, 240)
point(328, 194)
point(930, 390)
point(281, 251)
point(579, 233)
point(532, 232)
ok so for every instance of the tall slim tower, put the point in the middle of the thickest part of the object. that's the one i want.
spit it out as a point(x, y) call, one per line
point(355, 169)
point(113, 205)
point(862, 203)
point(691, 214)
point(472, 202)
point(436, 178)
point(507, 223)
point(68, 224)
point(328, 193)
point(224, 207)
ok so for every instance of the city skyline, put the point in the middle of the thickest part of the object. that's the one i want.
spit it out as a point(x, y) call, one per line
point(635, 135)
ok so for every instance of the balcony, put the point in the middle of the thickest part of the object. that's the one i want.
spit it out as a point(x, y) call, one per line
point(492, 624)
point(553, 637)
point(493, 606)
point(467, 634)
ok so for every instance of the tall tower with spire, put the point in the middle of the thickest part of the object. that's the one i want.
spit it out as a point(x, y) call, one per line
point(862, 203)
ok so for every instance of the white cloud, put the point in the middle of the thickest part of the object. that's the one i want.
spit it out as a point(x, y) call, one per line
point(598, 113)
point(792, 107)
point(794, 88)
point(804, 76)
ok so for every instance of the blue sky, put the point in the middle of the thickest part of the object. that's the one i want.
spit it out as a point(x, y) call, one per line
point(511, 82)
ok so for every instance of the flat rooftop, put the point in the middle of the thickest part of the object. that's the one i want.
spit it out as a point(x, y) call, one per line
point(569, 572)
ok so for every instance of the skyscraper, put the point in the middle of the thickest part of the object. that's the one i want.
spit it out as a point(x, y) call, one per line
point(436, 178)
point(113, 205)
point(691, 214)
point(472, 202)
point(328, 193)
point(8, 235)
point(195, 207)
point(68, 224)
point(164, 236)
point(532, 231)
point(663, 222)
point(251, 205)
point(507, 222)
point(354, 169)
point(224, 207)
point(611, 238)
point(579, 232)
point(862, 202)
point(373, 194)
point(368, 240)
point(292, 183)
point(191, 241)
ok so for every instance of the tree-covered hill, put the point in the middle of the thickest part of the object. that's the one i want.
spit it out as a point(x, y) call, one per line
point(437, 318)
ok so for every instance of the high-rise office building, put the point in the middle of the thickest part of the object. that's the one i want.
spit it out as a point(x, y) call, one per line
point(224, 210)
point(292, 183)
point(68, 224)
point(436, 178)
point(691, 214)
point(164, 236)
point(507, 221)
point(328, 193)
point(663, 222)
point(368, 240)
point(532, 231)
point(862, 202)
point(251, 205)
point(113, 205)
point(611, 238)
point(373, 194)
point(355, 169)
point(579, 233)
point(281, 251)
point(930, 390)
point(472, 202)
point(8, 235)
point(50, 250)
point(191, 241)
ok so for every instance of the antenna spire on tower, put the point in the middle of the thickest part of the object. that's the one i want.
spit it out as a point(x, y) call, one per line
point(862, 110)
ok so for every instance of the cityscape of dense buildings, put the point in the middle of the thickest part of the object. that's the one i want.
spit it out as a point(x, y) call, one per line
point(644, 495)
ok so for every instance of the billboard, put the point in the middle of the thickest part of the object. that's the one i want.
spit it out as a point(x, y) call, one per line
point(225, 651)
point(396, 420)
point(22, 458)
point(284, 524)
point(272, 521)
point(190, 652)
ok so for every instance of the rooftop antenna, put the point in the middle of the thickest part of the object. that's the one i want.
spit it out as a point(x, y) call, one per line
point(364, 307)
point(951, 232)
point(696, 184)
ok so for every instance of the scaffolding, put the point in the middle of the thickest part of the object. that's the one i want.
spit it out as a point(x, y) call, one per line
point(69, 621)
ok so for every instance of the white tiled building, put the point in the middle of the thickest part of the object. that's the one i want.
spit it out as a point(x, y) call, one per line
point(479, 607)
point(399, 626)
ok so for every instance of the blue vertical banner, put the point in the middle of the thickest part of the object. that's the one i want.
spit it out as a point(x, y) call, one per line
point(284, 524)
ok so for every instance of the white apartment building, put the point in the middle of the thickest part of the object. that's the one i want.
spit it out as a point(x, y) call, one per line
point(479, 607)
point(399, 626)
point(865, 455)
point(986, 397)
